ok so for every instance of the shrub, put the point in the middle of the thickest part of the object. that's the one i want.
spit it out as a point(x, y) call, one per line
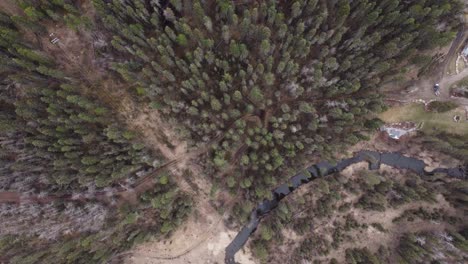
point(441, 107)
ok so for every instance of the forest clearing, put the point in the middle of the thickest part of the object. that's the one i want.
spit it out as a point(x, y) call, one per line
point(431, 121)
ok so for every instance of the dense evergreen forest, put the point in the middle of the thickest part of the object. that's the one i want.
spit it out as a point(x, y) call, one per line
point(266, 84)
point(65, 151)
point(277, 79)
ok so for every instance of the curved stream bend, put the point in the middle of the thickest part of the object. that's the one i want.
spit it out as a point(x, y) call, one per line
point(321, 169)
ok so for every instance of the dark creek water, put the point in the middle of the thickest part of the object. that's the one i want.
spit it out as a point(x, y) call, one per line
point(375, 159)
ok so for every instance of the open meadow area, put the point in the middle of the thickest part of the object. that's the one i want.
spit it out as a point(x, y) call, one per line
point(431, 122)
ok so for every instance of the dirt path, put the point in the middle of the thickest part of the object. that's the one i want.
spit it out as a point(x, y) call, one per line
point(204, 236)
point(155, 131)
point(424, 87)
point(201, 239)
point(457, 44)
point(211, 251)
point(425, 92)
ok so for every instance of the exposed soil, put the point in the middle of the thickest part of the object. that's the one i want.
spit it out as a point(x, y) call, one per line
point(154, 131)
point(10, 7)
point(202, 239)
point(74, 51)
point(10, 197)
point(423, 88)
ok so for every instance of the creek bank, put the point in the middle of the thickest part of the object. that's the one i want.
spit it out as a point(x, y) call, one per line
point(374, 158)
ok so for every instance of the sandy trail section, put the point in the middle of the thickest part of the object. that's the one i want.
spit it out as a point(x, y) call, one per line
point(203, 237)
point(200, 240)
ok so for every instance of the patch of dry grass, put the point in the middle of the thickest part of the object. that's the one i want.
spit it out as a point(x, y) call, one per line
point(432, 122)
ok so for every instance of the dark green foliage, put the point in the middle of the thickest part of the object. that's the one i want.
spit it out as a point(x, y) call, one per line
point(59, 130)
point(273, 80)
point(381, 192)
point(315, 245)
point(426, 215)
point(270, 231)
point(277, 80)
point(457, 193)
point(260, 250)
point(441, 107)
point(449, 144)
point(374, 123)
point(421, 60)
point(361, 256)
point(68, 11)
point(55, 139)
point(242, 211)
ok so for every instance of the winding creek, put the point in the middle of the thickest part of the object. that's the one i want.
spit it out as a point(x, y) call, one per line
point(375, 159)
